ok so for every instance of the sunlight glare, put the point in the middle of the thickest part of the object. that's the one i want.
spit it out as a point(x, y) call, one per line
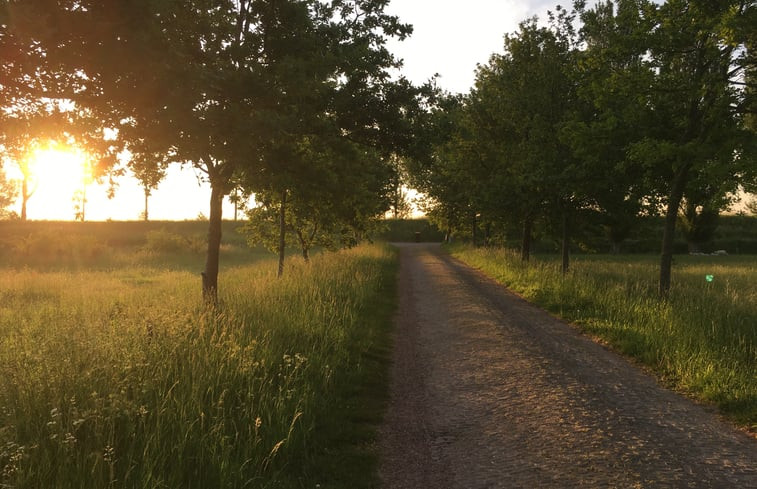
point(57, 172)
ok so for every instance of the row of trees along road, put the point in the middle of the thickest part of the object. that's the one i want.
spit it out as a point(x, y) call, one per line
point(294, 100)
point(622, 108)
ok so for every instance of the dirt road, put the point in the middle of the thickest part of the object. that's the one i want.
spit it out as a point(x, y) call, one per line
point(491, 392)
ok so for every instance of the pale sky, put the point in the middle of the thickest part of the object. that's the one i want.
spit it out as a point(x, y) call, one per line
point(450, 37)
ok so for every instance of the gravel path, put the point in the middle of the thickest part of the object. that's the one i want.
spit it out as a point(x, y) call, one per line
point(489, 391)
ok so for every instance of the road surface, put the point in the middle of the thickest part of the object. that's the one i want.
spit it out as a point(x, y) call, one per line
point(489, 391)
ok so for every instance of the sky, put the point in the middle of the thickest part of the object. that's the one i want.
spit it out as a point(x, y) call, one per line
point(450, 38)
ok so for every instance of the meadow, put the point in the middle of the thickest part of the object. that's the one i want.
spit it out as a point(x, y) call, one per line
point(702, 341)
point(113, 373)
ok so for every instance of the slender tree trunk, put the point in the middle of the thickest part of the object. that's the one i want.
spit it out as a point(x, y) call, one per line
point(210, 275)
point(236, 203)
point(448, 237)
point(474, 227)
point(147, 210)
point(282, 232)
point(24, 197)
point(565, 243)
point(671, 216)
point(83, 203)
point(487, 234)
point(525, 246)
point(304, 245)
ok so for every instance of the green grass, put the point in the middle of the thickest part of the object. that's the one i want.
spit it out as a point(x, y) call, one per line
point(48, 246)
point(115, 376)
point(702, 341)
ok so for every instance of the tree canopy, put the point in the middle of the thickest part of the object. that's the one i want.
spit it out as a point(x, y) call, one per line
point(597, 115)
point(639, 108)
point(235, 88)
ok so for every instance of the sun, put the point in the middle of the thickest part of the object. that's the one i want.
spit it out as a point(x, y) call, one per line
point(57, 178)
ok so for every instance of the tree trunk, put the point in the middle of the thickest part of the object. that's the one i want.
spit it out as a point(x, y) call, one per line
point(671, 216)
point(210, 275)
point(147, 210)
point(236, 203)
point(304, 245)
point(83, 203)
point(525, 246)
point(474, 227)
point(565, 243)
point(24, 197)
point(282, 232)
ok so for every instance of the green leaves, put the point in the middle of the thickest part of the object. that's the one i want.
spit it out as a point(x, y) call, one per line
point(646, 104)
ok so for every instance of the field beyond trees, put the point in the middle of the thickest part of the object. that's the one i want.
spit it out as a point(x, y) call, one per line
point(114, 374)
point(702, 340)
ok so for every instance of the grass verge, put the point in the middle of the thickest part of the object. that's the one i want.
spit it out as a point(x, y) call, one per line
point(120, 379)
point(703, 341)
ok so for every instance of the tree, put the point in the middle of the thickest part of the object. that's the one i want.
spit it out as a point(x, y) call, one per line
point(149, 168)
point(80, 195)
point(18, 103)
point(694, 107)
point(341, 187)
point(698, 224)
point(29, 125)
point(37, 92)
point(401, 206)
point(240, 198)
point(521, 100)
point(440, 167)
point(7, 194)
point(752, 206)
point(707, 194)
point(351, 103)
point(220, 85)
point(611, 114)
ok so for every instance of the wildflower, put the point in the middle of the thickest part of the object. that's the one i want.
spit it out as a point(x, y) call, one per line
point(109, 454)
point(69, 439)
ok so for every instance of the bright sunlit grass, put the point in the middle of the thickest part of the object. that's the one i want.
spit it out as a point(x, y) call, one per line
point(121, 378)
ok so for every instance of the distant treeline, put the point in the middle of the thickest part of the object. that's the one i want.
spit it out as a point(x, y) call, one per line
point(116, 234)
point(409, 230)
point(734, 234)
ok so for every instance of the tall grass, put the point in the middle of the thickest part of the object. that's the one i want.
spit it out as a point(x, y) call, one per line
point(120, 379)
point(107, 245)
point(702, 341)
